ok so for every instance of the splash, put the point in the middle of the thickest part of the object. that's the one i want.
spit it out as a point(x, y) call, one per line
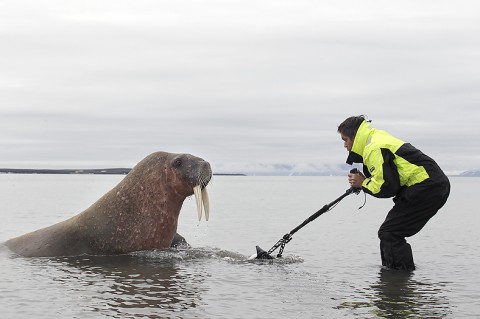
point(207, 253)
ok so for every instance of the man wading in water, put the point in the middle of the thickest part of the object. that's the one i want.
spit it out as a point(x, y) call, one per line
point(393, 168)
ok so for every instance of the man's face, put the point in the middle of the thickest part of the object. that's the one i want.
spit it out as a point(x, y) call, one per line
point(347, 142)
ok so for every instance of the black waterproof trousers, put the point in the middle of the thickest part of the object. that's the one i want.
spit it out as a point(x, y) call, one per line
point(414, 206)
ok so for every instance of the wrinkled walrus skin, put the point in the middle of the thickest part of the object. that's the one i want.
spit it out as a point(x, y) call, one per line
point(140, 213)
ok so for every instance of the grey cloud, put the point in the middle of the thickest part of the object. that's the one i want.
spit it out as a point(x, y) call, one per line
point(258, 85)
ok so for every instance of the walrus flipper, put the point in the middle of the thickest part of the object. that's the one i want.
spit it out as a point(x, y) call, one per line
point(179, 241)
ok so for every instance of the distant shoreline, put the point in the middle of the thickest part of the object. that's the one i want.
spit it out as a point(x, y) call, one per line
point(100, 171)
point(125, 171)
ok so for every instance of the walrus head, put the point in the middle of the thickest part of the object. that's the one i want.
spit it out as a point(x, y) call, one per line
point(196, 175)
point(176, 174)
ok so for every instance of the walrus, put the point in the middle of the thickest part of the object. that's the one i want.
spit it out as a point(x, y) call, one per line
point(140, 213)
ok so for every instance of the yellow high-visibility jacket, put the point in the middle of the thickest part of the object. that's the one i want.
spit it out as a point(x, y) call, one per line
point(390, 164)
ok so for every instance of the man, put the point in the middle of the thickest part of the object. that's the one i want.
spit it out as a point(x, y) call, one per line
point(393, 168)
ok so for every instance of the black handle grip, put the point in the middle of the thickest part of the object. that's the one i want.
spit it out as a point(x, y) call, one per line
point(353, 189)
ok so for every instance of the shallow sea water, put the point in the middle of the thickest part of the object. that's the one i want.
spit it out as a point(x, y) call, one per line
point(331, 268)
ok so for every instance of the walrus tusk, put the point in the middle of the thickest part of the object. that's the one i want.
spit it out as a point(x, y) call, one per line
point(201, 197)
point(206, 203)
point(198, 197)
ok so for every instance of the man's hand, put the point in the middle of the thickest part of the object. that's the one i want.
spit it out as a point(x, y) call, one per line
point(356, 179)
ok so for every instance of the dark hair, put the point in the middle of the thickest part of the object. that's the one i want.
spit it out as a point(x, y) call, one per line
point(350, 126)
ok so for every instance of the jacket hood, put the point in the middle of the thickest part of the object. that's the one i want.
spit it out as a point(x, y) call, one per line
point(360, 141)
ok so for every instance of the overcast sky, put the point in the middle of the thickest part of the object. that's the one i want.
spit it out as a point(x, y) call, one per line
point(248, 85)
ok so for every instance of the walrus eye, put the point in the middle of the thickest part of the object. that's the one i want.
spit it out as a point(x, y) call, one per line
point(177, 162)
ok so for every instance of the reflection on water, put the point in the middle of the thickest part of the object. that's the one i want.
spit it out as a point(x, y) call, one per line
point(132, 285)
point(398, 295)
